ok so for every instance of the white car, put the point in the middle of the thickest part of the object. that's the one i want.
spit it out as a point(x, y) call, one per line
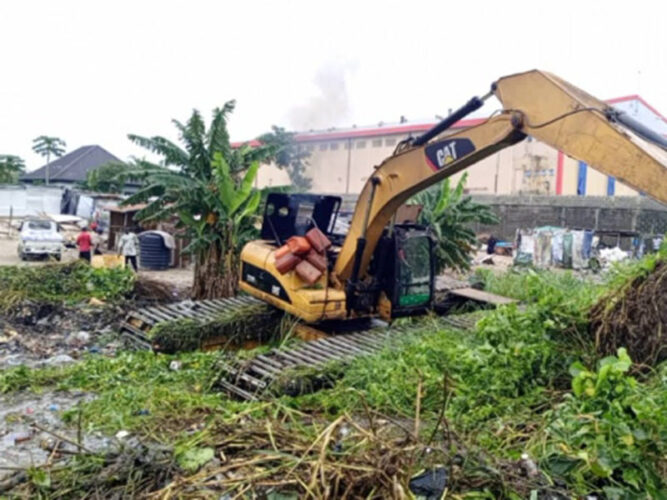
point(40, 237)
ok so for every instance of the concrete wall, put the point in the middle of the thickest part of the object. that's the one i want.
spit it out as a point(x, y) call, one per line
point(602, 213)
point(628, 213)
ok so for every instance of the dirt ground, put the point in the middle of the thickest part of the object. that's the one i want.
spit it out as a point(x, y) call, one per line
point(9, 254)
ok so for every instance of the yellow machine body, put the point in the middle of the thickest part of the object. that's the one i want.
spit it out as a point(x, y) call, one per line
point(312, 303)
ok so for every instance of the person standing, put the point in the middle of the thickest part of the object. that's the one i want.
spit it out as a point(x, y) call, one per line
point(84, 242)
point(128, 245)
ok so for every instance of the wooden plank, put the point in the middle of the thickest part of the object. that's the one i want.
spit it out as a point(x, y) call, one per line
point(215, 306)
point(345, 351)
point(181, 312)
point(168, 312)
point(240, 375)
point(305, 358)
point(158, 314)
point(366, 342)
point(135, 335)
point(348, 345)
point(206, 310)
point(155, 317)
point(263, 370)
point(482, 296)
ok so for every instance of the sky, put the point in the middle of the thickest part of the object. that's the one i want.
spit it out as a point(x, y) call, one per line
point(92, 72)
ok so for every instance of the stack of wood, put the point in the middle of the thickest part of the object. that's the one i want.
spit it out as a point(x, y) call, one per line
point(306, 255)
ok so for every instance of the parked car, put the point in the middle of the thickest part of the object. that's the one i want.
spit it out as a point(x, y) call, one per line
point(40, 237)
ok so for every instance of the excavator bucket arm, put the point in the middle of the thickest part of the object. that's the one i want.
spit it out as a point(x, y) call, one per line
point(534, 103)
point(587, 129)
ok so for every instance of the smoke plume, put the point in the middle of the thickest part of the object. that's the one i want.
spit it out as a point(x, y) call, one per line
point(330, 107)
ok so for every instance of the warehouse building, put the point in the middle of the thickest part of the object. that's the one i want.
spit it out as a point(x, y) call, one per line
point(341, 160)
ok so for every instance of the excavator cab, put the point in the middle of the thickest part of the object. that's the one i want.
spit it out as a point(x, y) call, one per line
point(403, 266)
point(287, 215)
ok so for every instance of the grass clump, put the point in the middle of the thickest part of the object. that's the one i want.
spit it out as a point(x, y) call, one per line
point(62, 284)
point(255, 322)
point(531, 285)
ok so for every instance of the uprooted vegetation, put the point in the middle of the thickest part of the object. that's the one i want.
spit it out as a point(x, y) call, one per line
point(633, 307)
point(528, 380)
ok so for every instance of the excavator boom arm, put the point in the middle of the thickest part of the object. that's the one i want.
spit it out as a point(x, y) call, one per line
point(534, 103)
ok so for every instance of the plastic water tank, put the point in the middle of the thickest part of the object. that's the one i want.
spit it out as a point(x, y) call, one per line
point(154, 253)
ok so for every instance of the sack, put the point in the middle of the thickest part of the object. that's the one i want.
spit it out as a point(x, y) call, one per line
point(287, 262)
point(298, 245)
point(316, 259)
point(308, 272)
point(318, 240)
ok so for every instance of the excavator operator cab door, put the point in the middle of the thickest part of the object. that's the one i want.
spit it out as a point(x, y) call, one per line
point(407, 269)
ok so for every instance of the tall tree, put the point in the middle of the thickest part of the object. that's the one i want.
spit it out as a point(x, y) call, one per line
point(207, 185)
point(10, 168)
point(47, 146)
point(289, 156)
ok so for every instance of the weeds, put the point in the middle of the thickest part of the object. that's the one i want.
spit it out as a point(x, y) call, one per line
point(61, 283)
point(609, 434)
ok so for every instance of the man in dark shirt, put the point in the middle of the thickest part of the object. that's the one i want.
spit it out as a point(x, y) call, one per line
point(83, 241)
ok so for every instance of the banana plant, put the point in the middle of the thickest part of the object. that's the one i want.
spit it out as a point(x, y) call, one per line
point(206, 185)
point(450, 214)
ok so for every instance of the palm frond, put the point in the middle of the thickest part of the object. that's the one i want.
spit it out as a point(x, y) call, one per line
point(173, 155)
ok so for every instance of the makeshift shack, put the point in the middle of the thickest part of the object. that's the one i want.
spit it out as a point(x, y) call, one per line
point(124, 216)
point(121, 217)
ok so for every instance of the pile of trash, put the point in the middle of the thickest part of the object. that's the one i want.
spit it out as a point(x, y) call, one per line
point(37, 334)
point(551, 246)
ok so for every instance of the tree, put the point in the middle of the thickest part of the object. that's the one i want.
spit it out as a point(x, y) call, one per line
point(11, 167)
point(47, 146)
point(449, 214)
point(108, 178)
point(208, 187)
point(288, 156)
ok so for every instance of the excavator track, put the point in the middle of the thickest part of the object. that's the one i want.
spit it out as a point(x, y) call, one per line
point(252, 379)
point(137, 324)
point(255, 378)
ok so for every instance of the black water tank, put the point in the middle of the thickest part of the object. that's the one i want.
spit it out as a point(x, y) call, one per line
point(154, 253)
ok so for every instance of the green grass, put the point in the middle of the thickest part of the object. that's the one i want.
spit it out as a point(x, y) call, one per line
point(61, 284)
point(130, 385)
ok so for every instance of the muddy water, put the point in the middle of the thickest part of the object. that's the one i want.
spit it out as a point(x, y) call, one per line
point(22, 445)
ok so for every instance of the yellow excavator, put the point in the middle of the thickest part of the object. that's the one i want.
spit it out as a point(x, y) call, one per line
point(384, 269)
